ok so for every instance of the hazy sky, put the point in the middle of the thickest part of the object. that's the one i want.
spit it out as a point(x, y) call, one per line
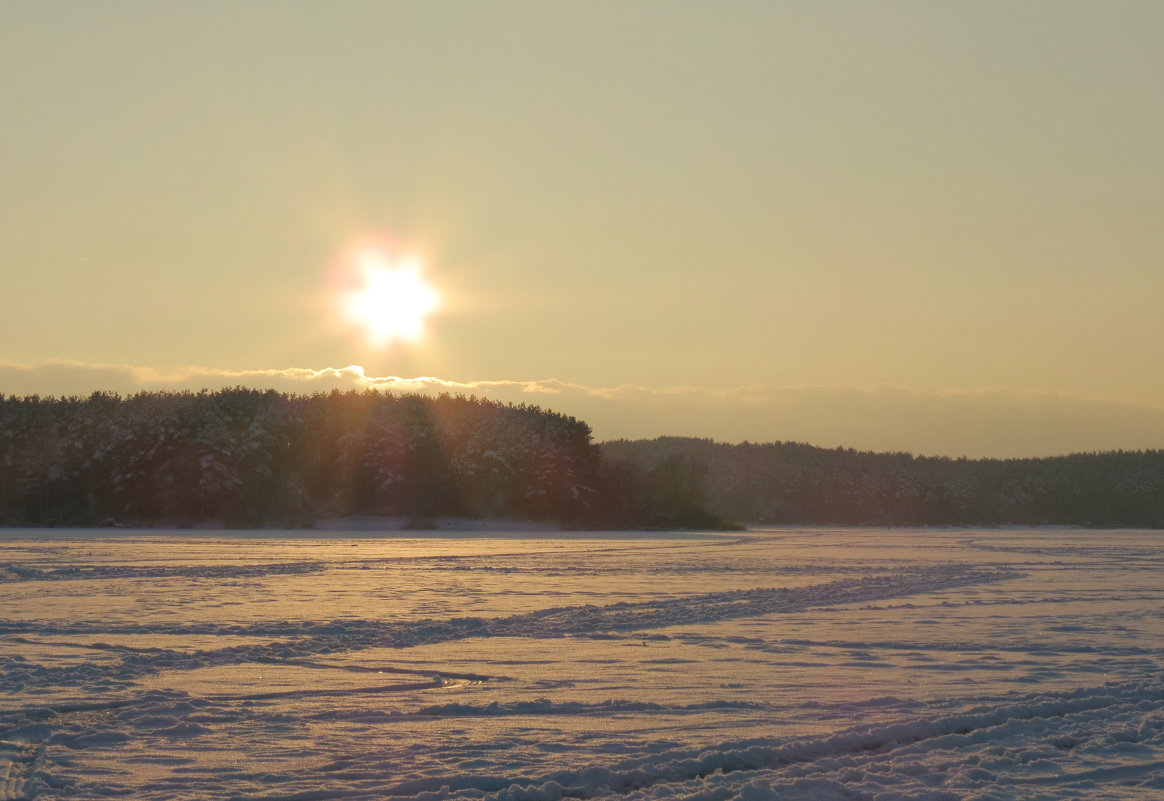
point(928, 226)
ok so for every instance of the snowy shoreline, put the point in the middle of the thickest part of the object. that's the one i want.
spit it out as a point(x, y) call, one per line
point(360, 527)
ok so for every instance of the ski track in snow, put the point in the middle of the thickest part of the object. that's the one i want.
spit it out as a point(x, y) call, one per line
point(826, 664)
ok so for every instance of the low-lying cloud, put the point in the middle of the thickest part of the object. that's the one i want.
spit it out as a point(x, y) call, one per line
point(885, 418)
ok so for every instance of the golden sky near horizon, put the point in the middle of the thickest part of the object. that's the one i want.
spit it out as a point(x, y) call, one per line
point(853, 201)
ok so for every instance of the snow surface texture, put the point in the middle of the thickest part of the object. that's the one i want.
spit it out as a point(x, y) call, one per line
point(834, 664)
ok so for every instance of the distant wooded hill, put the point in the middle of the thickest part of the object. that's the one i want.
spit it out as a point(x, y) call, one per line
point(789, 482)
point(246, 457)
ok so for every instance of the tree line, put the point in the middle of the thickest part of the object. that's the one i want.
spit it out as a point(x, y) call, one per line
point(247, 457)
point(788, 482)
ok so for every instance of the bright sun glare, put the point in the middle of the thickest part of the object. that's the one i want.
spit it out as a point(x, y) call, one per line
point(392, 301)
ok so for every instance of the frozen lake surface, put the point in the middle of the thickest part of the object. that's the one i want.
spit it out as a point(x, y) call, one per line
point(831, 664)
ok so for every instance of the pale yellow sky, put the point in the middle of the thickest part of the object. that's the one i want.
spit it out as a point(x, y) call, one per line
point(858, 206)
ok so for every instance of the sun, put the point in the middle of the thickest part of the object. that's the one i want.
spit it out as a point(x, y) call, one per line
point(392, 300)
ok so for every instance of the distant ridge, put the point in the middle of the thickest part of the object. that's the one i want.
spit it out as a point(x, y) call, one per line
point(790, 482)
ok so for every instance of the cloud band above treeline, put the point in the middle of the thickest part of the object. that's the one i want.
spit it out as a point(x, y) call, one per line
point(971, 423)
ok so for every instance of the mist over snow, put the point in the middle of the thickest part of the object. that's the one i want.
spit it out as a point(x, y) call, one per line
point(967, 422)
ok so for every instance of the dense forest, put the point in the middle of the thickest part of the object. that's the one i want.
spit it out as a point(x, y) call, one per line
point(789, 482)
point(246, 458)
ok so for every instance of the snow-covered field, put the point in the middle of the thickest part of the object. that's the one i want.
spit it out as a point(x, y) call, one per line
point(834, 664)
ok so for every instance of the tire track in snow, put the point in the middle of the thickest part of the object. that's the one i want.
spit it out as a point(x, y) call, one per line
point(713, 607)
point(307, 640)
point(18, 572)
point(20, 748)
point(841, 760)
